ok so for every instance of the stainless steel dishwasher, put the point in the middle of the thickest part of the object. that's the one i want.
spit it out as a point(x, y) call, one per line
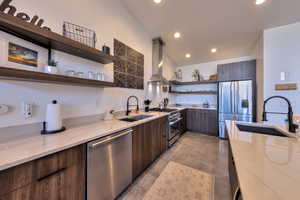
point(109, 166)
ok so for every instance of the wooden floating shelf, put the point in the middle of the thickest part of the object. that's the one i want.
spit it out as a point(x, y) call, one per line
point(32, 76)
point(196, 92)
point(194, 82)
point(51, 40)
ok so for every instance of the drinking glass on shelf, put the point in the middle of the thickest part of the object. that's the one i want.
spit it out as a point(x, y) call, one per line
point(80, 74)
point(100, 76)
point(91, 75)
point(70, 73)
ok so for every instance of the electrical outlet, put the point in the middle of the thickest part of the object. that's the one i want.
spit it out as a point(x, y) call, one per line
point(27, 110)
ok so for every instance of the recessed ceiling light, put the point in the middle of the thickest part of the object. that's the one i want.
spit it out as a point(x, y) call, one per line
point(187, 55)
point(157, 1)
point(177, 35)
point(214, 50)
point(259, 2)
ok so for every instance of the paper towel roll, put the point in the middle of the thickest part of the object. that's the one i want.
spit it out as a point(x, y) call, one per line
point(53, 117)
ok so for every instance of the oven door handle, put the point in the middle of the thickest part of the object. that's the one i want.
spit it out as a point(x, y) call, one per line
point(172, 123)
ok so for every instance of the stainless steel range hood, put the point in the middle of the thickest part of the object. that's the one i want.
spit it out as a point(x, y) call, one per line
point(158, 62)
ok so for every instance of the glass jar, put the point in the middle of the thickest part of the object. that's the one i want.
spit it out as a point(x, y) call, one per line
point(91, 75)
point(100, 76)
point(80, 74)
point(70, 73)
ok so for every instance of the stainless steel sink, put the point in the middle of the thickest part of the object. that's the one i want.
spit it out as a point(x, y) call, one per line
point(260, 130)
point(136, 118)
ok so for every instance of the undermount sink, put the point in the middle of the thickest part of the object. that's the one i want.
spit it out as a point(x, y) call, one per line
point(136, 118)
point(260, 130)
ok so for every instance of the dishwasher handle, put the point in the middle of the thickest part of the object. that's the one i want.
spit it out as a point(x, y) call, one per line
point(109, 139)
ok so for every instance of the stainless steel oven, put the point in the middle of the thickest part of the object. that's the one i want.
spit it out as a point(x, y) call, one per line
point(175, 127)
point(174, 124)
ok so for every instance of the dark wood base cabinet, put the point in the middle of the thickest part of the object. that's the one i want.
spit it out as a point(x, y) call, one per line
point(60, 176)
point(203, 121)
point(183, 123)
point(235, 188)
point(149, 142)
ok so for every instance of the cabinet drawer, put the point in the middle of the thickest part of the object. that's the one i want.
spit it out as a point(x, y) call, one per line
point(22, 175)
point(67, 184)
point(60, 160)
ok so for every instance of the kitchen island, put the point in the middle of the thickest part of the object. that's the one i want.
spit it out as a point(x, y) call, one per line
point(267, 167)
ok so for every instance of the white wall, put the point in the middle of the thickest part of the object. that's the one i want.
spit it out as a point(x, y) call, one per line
point(110, 20)
point(205, 69)
point(281, 54)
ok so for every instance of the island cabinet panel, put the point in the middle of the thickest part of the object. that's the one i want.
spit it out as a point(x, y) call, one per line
point(232, 172)
point(57, 176)
point(203, 121)
point(149, 141)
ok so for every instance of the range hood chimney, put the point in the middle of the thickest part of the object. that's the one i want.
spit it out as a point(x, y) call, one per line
point(158, 62)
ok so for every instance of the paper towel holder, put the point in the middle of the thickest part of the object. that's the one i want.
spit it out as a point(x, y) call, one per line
point(45, 132)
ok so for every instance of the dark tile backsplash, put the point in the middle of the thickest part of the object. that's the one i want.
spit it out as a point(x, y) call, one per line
point(128, 66)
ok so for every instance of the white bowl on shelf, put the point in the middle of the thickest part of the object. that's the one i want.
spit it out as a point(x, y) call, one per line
point(51, 69)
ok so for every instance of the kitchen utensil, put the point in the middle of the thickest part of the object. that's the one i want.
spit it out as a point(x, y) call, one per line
point(147, 104)
point(166, 102)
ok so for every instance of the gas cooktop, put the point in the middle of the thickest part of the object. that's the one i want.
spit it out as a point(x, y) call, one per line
point(168, 110)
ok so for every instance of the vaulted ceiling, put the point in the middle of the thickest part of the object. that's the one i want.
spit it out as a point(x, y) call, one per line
point(231, 26)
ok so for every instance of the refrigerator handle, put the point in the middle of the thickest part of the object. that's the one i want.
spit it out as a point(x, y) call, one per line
point(232, 97)
point(237, 98)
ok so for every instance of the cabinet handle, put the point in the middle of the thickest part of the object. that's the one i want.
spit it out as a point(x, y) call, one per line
point(52, 174)
point(109, 139)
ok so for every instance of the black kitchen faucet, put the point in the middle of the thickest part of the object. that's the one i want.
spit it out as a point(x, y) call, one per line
point(128, 105)
point(292, 126)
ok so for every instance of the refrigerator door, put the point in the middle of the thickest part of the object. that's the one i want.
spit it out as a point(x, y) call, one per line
point(243, 101)
point(226, 105)
point(226, 94)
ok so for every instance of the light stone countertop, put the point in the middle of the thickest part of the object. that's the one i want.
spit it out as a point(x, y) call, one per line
point(21, 150)
point(268, 167)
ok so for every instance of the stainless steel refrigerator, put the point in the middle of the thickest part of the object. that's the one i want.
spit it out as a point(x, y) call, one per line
point(235, 103)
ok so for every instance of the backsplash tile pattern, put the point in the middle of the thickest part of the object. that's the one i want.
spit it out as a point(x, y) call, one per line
point(128, 66)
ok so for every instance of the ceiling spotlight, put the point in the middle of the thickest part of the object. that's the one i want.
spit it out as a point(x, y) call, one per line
point(187, 55)
point(177, 35)
point(259, 2)
point(214, 50)
point(157, 1)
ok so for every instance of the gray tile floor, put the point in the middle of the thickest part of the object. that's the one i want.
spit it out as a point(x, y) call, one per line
point(208, 154)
